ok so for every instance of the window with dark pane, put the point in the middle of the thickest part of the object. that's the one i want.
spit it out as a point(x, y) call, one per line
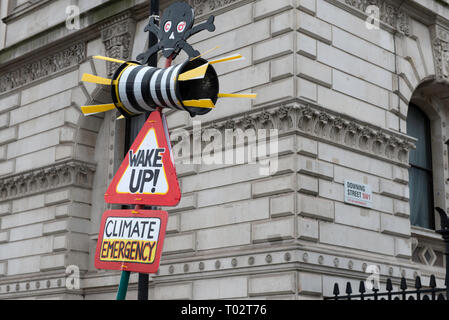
point(420, 172)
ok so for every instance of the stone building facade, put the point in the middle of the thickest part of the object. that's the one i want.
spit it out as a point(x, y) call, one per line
point(337, 89)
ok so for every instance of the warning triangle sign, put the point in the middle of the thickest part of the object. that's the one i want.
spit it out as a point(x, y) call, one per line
point(147, 176)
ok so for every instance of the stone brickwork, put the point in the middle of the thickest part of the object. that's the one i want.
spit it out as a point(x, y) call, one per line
point(337, 92)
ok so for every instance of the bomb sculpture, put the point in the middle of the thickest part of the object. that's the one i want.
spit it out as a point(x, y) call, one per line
point(192, 86)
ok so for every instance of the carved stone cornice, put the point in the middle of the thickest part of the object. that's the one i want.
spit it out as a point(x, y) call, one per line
point(203, 7)
point(70, 173)
point(117, 35)
point(389, 14)
point(43, 67)
point(325, 125)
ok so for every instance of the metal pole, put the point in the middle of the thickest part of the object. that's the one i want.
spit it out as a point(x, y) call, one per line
point(152, 40)
point(446, 253)
point(142, 290)
point(445, 234)
point(123, 286)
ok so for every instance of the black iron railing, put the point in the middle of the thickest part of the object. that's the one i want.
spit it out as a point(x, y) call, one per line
point(417, 293)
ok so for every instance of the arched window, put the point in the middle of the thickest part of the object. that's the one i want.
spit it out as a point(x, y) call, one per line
point(420, 172)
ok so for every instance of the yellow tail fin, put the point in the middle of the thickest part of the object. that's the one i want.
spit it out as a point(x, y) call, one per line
point(108, 59)
point(90, 110)
point(197, 73)
point(206, 52)
point(95, 79)
point(226, 59)
point(113, 60)
point(203, 103)
point(232, 95)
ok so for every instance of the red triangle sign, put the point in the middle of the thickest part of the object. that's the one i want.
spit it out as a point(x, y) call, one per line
point(147, 176)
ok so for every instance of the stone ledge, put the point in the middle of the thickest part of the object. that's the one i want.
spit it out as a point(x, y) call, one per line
point(204, 8)
point(392, 18)
point(43, 67)
point(315, 261)
point(24, 8)
point(314, 121)
point(70, 173)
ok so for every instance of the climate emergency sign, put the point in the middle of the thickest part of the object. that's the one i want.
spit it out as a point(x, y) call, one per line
point(358, 194)
point(131, 240)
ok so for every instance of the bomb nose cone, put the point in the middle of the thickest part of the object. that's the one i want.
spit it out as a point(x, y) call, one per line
point(205, 88)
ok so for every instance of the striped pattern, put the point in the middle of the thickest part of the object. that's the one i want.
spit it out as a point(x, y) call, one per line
point(141, 88)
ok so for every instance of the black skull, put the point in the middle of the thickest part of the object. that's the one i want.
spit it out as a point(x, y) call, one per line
point(176, 26)
point(176, 21)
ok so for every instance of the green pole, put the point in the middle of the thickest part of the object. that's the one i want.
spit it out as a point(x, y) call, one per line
point(123, 286)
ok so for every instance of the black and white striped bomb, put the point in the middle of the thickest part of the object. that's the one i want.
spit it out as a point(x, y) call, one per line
point(192, 86)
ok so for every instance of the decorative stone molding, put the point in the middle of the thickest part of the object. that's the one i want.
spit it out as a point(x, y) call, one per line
point(302, 259)
point(244, 263)
point(38, 69)
point(118, 36)
point(441, 52)
point(203, 7)
point(319, 123)
point(71, 173)
point(389, 14)
point(427, 248)
point(51, 286)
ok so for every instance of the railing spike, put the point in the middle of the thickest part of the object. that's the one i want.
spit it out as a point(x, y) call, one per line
point(418, 283)
point(418, 287)
point(389, 288)
point(403, 284)
point(433, 282)
point(433, 285)
point(389, 285)
point(348, 288)
point(336, 290)
point(362, 287)
point(403, 287)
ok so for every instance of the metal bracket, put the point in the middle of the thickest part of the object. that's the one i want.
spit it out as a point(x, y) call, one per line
point(156, 17)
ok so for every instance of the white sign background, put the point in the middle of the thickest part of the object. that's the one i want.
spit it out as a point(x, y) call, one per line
point(125, 226)
point(148, 143)
point(358, 194)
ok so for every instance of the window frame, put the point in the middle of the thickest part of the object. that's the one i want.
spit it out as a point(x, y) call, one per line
point(429, 171)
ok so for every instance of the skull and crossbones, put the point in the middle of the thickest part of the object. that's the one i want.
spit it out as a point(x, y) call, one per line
point(176, 27)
